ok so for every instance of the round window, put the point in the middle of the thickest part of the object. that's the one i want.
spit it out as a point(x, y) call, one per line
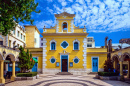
point(76, 60)
point(52, 60)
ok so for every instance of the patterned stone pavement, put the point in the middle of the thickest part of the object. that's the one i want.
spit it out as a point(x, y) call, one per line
point(67, 80)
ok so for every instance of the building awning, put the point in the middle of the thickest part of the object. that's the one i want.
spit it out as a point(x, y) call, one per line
point(35, 60)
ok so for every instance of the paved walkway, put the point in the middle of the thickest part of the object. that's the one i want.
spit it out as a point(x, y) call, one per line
point(67, 80)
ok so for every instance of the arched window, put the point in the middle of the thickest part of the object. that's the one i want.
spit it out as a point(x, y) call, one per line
point(64, 26)
point(53, 45)
point(76, 46)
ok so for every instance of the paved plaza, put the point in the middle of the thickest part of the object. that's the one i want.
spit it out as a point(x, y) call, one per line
point(67, 80)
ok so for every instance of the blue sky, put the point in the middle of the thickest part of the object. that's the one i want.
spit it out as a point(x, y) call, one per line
point(101, 17)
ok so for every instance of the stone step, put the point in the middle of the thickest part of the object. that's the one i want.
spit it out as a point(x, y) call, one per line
point(64, 73)
point(93, 73)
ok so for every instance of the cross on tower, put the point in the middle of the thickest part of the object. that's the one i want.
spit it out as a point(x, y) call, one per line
point(64, 10)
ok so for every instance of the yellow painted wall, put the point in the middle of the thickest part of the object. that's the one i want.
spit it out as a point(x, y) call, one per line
point(69, 49)
point(102, 58)
point(96, 49)
point(50, 31)
point(39, 62)
point(78, 31)
point(30, 36)
point(8, 51)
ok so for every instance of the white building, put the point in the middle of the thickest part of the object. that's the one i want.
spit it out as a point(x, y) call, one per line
point(90, 42)
point(16, 38)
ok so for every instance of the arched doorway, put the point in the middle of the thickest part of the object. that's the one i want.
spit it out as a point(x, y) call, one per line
point(126, 64)
point(9, 66)
point(116, 64)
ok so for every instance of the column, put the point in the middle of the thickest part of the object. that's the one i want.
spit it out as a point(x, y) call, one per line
point(13, 71)
point(2, 80)
point(128, 75)
point(114, 65)
point(121, 68)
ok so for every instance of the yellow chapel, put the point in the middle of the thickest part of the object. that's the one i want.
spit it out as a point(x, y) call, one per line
point(66, 48)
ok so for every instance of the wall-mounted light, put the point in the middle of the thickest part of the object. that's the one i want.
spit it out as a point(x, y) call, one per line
point(4, 52)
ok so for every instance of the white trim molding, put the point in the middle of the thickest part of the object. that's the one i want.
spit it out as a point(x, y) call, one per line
point(44, 55)
point(85, 53)
point(57, 26)
point(72, 23)
point(76, 40)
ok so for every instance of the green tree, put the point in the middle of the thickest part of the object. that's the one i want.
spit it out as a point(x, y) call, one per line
point(15, 11)
point(25, 60)
point(108, 66)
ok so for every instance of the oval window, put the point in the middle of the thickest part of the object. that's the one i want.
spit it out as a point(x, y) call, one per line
point(76, 60)
point(52, 60)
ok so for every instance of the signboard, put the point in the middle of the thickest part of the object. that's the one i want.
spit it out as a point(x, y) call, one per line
point(57, 64)
point(71, 64)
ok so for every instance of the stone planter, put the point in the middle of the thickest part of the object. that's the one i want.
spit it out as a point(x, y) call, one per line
point(2, 84)
point(26, 78)
point(108, 77)
point(37, 76)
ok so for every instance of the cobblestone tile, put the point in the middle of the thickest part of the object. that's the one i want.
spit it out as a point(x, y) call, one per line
point(67, 80)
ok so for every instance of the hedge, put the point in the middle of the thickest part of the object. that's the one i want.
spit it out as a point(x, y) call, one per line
point(107, 74)
point(29, 74)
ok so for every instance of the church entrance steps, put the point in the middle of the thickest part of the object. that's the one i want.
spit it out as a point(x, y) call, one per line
point(64, 73)
point(93, 73)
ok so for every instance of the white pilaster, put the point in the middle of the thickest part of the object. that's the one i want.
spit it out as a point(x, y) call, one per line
point(57, 26)
point(44, 55)
point(72, 23)
point(85, 52)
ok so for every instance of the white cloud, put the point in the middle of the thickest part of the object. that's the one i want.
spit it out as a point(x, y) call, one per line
point(47, 24)
point(105, 16)
point(70, 0)
point(64, 3)
point(80, 1)
point(70, 10)
point(50, 10)
point(95, 10)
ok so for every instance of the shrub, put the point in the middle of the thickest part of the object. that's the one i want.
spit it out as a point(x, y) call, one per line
point(108, 66)
point(108, 74)
point(29, 74)
point(25, 60)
